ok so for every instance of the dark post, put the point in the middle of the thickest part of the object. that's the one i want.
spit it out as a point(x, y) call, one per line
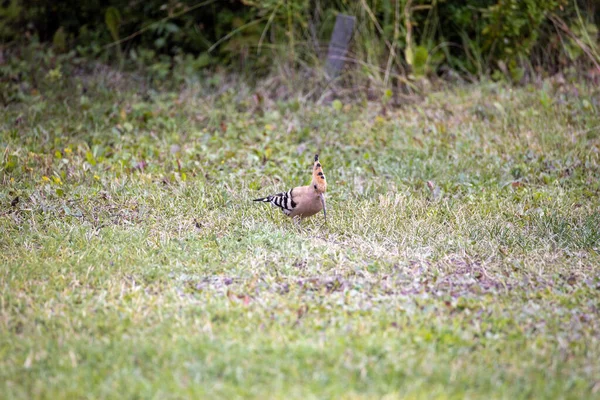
point(338, 45)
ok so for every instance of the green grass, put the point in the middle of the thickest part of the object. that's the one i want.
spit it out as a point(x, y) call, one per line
point(134, 264)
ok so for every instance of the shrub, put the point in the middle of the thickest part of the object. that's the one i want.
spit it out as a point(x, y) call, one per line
point(475, 37)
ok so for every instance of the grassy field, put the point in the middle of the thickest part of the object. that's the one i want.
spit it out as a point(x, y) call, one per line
point(460, 258)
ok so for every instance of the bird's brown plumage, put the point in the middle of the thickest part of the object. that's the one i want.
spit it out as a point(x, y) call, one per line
point(303, 201)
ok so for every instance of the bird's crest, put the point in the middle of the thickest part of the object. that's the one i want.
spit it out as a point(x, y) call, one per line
point(319, 182)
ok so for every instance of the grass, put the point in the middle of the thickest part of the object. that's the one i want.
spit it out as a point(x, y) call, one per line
point(459, 260)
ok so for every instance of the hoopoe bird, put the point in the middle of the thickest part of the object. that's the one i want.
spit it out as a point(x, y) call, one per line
point(303, 201)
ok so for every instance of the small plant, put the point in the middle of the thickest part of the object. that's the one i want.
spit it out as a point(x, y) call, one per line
point(112, 17)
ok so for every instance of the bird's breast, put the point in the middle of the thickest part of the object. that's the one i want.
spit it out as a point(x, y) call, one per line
point(307, 203)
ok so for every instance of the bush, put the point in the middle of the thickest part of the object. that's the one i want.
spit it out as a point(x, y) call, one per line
point(399, 38)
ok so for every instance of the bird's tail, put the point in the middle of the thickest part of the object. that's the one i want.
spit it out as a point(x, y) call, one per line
point(265, 199)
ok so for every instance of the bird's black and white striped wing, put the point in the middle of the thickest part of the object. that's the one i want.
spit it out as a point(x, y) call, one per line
point(283, 200)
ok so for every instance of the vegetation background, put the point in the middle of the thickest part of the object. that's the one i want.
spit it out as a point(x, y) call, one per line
point(395, 42)
point(460, 258)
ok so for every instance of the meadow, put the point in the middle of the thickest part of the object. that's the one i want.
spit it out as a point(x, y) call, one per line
point(459, 259)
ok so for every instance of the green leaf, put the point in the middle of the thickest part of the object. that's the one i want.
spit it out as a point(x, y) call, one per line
point(254, 185)
point(586, 104)
point(420, 59)
point(127, 126)
point(10, 163)
point(112, 17)
point(204, 60)
point(160, 42)
point(59, 40)
point(171, 27)
point(90, 158)
point(337, 105)
point(545, 99)
point(387, 94)
point(84, 102)
point(408, 53)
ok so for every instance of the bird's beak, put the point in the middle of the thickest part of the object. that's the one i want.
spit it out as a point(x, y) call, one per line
point(322, 196)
